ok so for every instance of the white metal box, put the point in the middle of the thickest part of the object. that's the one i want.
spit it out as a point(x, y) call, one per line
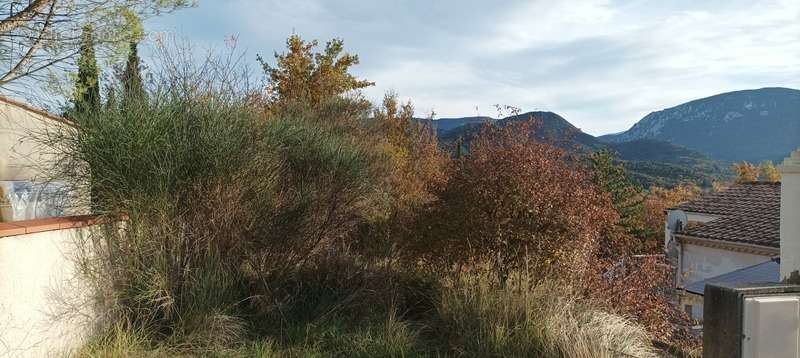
point(771, 327)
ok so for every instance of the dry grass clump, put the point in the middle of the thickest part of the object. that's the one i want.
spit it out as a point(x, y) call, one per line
point(478, 319)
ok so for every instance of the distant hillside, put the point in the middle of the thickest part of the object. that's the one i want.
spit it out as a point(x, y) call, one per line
point(551, 127)
point(445, 124)
point(649, 149)
point(555, 129)
point(751, 125)
point(648, 162)
point(652, 162)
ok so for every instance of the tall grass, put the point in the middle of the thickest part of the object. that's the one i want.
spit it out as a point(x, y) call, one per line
point(209, 208)
point(471, 318)
point(478, 319)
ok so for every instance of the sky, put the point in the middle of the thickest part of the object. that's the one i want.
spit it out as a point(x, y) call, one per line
point(602, 65)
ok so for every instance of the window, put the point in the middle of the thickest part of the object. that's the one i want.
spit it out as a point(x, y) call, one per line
point(26, 200)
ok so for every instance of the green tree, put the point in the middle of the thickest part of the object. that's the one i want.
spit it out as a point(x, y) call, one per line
point(111, 98)
point(626, 197)
point(87, 86)
point(305, 75)
point(41, 32)
point(131, 78)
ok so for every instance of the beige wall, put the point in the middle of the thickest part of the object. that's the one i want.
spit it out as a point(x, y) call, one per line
point(23, 158)
point(43, 308)
point(19, 159)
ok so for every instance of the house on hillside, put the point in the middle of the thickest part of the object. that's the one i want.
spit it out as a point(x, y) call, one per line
point(733, 236)
point(25, 192)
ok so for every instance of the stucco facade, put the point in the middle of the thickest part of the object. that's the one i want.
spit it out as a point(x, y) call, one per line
point(19, 157)
point(703, 259)
point(27, 187)
point(700, 262)
point(719, 233)
point(44, 308)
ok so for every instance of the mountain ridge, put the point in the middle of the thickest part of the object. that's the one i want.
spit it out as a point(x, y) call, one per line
point(752, 125)
point(649, 162)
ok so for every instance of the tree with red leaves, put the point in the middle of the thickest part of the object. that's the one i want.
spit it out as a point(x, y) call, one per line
point(514, 202)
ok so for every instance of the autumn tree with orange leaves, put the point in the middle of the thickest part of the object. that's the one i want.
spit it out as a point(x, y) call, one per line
point(416, 163)
point(305, 75)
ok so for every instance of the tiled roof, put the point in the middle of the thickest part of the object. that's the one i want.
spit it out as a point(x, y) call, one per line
point(764, 272)
point(749, 213)
point(738, 199)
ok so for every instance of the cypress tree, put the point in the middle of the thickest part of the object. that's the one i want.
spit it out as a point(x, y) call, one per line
point(132, 85)
point(87, 87)
point(111, 98)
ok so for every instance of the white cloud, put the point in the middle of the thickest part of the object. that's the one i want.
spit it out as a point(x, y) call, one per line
point(601, 64)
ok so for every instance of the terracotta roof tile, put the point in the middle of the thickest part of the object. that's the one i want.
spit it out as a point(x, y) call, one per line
point(749, 213)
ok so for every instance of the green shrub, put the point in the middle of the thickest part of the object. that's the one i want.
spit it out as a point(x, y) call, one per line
point(209, 207)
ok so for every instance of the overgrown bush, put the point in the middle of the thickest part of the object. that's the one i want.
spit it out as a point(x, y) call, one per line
point(514, 203)
point(234, 223)
point(207, 205)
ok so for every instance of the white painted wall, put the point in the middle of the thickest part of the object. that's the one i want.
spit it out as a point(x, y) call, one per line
point(19, 157)
point(700, 262)
point(37, 284)
point(790, 214)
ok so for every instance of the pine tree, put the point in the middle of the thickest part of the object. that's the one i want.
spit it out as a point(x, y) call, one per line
point(459, 147)
point(626, 197)
point(132, 85)
point(87, 87)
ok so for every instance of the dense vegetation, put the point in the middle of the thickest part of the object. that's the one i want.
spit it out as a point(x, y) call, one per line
point(301, 220)
point(648, 162)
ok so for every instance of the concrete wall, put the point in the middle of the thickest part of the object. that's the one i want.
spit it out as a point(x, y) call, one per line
point(790, 216)
point(19, 157)
point(696, 305)
point(25, 163)
point(700, 262)
point(44, 309)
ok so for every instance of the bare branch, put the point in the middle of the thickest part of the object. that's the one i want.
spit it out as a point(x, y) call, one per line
point(20, 18)
point(15, 72)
